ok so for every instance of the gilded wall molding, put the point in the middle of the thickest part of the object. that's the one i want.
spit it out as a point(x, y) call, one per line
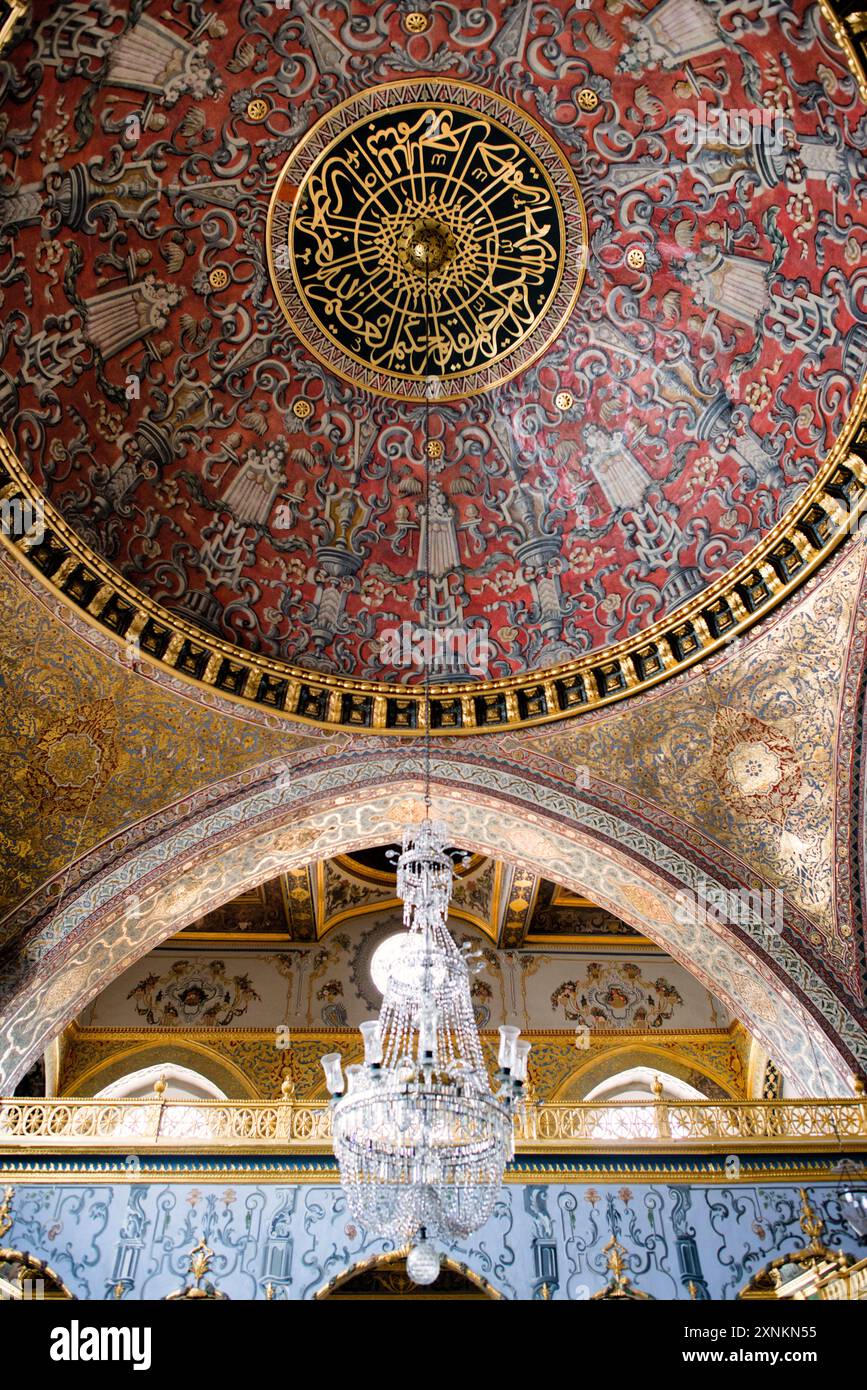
point(247, 1064)
point(689, 1170)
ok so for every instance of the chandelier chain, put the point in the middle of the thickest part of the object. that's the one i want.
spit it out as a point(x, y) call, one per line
point(427, 646)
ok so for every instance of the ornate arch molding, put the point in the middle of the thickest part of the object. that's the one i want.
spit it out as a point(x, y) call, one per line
point(636, 1052)
point(29, 1269)
point(215, 1067)
point(393, 1264)
point(851, 792)
point(139, 898)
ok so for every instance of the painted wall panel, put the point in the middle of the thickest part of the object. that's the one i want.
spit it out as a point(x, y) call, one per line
point(296, 1236)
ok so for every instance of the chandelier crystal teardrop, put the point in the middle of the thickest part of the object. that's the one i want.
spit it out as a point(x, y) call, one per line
point(421, 1137)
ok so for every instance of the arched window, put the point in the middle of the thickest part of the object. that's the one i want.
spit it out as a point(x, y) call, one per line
point(384, 957)
point(636, 1083)
point(631, 1121)
point(385, 1276)
point(182, 1083)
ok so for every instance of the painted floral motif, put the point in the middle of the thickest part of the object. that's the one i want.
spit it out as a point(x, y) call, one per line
point(481, 995)
point(755, 766)
point(617, 995)
point(333, 1013)
point(74, 756)
point(187, 994)
point(778, 691)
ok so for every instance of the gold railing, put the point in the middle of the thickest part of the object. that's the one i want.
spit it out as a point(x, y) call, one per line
point(209, 1126)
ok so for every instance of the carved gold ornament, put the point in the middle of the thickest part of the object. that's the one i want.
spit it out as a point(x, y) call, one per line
point(416, 22)
point(10, 16)
point(218, 278)
point(427, 228)
point(5, 1208)
point(257, 109)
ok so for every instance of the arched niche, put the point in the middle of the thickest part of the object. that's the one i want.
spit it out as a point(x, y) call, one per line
point(160, 1055)
point(637, 1083)
point(683, 1071)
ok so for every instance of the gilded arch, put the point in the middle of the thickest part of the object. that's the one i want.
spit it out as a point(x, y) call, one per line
point(638, 1052)
point(140, 898)
point(215, 1066)
point(385, 1275)
point(19, 1269)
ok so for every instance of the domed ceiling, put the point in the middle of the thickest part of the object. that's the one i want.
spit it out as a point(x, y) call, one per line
point(260, 261)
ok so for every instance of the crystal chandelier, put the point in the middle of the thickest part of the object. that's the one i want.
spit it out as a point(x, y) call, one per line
point(420, 1136)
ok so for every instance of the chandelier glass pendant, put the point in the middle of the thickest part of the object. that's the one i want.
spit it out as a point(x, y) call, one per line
point(421, 1137)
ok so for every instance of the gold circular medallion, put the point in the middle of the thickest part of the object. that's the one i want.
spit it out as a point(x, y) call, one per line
point(564, 400)
point(427, 229)
point(302, 408)
point(426, 246)
point(416, 22)
point(588, 100)
point(635, 258)
point(218, 278)
point(257, 109)
point(434, 449)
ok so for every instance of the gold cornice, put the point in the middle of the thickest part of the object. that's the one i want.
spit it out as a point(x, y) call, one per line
point(182, 942)
point(713, 1174)
point(852, 39)
point(624, 944)
point(120, 1030)
point(791, 551)
point(564, 897)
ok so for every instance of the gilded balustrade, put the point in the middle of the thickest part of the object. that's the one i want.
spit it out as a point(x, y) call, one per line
point(303, 1127)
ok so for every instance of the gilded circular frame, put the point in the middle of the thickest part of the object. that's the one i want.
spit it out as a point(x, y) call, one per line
point(446, 102)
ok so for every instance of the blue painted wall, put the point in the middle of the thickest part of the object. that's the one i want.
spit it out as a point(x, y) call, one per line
point(298, 1236)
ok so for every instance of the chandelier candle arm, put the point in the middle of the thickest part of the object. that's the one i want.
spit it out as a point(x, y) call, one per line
point(332, 1065)
point(508, 1041)
point(372, 1036)
point(519, 1066)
